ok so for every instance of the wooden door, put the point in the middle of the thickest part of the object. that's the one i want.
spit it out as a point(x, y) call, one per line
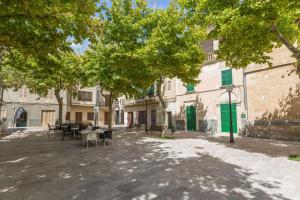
point(225, 118)
point(105, 118)
point(78, 117)
point(130, 119)
point(48, 117)
point(191, 118)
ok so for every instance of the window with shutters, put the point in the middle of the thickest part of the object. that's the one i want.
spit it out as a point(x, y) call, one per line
point(227, 77)
point(85, 96)
point(190, 88)
point(90, 116)
point(68, 116)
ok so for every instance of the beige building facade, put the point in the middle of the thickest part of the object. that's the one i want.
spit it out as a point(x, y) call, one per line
point(261, 95)
point(88, 107)
point(24, 109)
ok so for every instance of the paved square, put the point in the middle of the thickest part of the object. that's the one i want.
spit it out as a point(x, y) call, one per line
point(136, 167)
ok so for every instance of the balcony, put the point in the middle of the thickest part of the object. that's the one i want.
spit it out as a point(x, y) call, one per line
point(141, 101)
point(210, 58)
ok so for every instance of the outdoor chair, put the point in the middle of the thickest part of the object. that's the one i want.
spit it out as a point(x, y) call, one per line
point(66, 131)
point(51, 130)
point(90, 137)
point(107, 136)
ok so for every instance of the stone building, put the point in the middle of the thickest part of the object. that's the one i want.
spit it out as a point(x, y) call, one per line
point(266, 99)
point(88, 107)
point(273, 96)
point(200, 107)
point(23, 109)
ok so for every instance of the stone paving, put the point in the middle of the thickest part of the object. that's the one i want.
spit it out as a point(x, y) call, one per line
point(41, 168)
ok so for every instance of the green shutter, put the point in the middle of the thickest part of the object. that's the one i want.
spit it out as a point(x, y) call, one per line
point(191, 118)
point(225, 118)
point(227, 77)
point(190, 88)
point(150, 90)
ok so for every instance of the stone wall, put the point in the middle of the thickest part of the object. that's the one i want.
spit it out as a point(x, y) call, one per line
point(276, 129)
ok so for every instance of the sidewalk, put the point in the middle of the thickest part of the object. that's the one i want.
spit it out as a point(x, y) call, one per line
point(270, 147)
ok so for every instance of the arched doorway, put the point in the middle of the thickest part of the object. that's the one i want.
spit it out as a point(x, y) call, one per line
point(21, 117)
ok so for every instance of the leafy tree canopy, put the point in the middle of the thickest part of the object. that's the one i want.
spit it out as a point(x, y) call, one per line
point(39, 27)
point(248, 30)
point(111, 62)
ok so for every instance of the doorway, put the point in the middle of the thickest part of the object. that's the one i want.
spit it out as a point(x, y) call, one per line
point(105, 118)
point(78, 117)
point(48, 117)
point(22, 120)
point(170, 120)
point(191, 118)
point(225, 118)
point(130, 119)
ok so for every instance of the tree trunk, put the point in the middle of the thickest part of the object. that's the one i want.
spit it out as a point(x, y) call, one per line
point(1, 100)
point(163, 107)
point(60, 105)
point(110, 111)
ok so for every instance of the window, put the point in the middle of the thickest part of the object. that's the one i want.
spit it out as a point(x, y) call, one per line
point(190, 88)
point(142, 117)
point(3, 114)
point(68, 116)
point(227, 77)
point(85, 96)
point(90, 116)
point(153, 117)
point(50, 94)
point(169, 85)
point(23, 92)
point(150, 90)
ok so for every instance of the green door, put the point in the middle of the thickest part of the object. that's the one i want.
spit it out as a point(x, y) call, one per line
point(191, 118)
point(225, 118)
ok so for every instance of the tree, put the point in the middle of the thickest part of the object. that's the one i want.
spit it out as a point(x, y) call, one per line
point(9, 77)
point(62, 74)
point(171, 50)
point(111, 62)
point(39, 27)
point(248, 30)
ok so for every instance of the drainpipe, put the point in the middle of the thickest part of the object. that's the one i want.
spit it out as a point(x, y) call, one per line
point(245, 94)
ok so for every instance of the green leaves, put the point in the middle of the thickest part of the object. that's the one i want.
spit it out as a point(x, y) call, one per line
point(38, 27)
point(248, 30)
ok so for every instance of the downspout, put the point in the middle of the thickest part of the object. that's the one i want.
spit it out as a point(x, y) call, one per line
point(245, 94)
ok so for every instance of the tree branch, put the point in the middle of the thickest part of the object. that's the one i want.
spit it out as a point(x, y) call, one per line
point(279, 35)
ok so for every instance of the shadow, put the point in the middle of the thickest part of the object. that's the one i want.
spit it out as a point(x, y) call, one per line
point(283, 122)
point(130, 169)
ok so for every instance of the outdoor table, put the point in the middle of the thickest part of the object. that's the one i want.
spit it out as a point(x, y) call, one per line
point(74, 129)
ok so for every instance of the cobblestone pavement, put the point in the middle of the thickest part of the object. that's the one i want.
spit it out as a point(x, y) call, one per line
point(41, 168)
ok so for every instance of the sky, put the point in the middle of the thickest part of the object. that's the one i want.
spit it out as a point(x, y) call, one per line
point(160, 4)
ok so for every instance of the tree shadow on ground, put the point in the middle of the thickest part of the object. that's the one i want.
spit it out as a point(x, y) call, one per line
point(130, 169)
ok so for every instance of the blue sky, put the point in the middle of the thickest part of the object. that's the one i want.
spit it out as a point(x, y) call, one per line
point(80, 48)
point(158, 3)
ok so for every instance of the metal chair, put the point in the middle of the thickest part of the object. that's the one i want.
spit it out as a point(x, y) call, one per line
point(107, 136)
point(51, 130)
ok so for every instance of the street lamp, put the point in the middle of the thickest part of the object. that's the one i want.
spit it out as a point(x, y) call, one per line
point(146, 125)
point(96, 107)
point(229, 89)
